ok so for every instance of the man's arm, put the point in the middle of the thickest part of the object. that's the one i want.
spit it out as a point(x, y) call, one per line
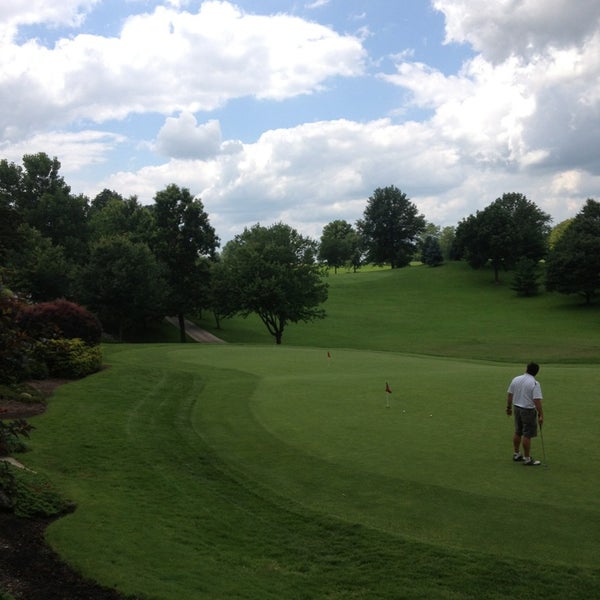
point(509, 401)
point(540, 412)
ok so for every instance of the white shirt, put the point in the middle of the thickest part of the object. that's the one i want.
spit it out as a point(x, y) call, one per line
point(524, 389)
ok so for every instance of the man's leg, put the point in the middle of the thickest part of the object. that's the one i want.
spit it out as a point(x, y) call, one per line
point(526, 447)
point(516, 443)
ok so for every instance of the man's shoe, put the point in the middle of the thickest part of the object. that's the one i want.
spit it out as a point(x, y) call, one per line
point(517, 457)
point(531, 462)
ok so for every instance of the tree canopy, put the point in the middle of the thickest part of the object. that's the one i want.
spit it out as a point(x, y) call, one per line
point(182, 238)
point(339, 242)
point(271, 271)
point(573, 264)
point(510, 228)
point(390, 227)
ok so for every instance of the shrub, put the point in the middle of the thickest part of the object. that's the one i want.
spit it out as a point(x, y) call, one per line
point(10, 434)
point(14, 343)
point(30, 494)
point(60, 319)
point(71, 359)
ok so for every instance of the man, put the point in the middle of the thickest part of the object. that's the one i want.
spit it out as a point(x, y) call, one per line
point(525, 394)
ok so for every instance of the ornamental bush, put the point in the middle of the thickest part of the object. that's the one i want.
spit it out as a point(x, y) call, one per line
point(69, 358)
point(14, 343)
point(60, 319)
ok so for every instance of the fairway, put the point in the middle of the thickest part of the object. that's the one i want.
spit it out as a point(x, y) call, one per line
point(193, 452)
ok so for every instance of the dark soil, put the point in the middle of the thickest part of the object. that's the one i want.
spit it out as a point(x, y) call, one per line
point(29, 568)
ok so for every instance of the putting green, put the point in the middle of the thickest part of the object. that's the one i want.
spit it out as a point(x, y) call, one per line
point(188, 462)
point(435, 466)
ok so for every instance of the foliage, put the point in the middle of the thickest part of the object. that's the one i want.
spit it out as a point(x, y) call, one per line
point(390, 227)
point(451, 311)
point(431, 253)
point(446, 240)
point(60, 319)
point(557, 232)
point(573, 265)
point(111, 216)
point(526, 280)
point(182, 237)
point(69, 358)
point(339, 244)
point(271, 271)
point(14, 342)
point(31, 494)
point(510, 228)
point(39, 266)
point(124, 284)
point(10, 434)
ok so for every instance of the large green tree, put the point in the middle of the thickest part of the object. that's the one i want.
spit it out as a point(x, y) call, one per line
point(123, 284)
point(10, 182)
point(110, 214)
point(573, 264)
point(338, 244)
point(390, 227)
point(39, 267)
point(510, 228)
point(182, 240)
point(272, 272)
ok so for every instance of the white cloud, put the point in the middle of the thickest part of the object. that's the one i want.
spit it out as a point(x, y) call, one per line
point(521, 115)
point(75, 150)
point(14, 14)
point(182, 137)
point(169, 61)
point(524, 28)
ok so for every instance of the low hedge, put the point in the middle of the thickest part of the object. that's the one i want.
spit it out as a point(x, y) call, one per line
point(69, 358)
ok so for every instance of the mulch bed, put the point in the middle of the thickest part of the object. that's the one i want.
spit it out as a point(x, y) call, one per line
point(29, 568)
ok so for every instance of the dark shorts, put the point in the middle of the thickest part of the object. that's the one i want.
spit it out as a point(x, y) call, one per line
point(525, 421)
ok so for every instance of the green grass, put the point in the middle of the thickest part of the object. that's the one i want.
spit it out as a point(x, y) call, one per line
point(447, 311)
point(256, 471)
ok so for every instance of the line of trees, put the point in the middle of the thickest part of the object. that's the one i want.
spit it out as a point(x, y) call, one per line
point(133, 264)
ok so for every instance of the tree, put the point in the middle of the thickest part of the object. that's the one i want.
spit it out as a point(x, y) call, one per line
point(510, 228)
point(10, 180)
point(338, 242)
point(431, 253)
point(39, 268)
point(123, 283)
point(110, 214)
point(62, 218)
point(39, 176)
point(526, 278)
point(182, 239)
point(390, 227)
point(271, 271)
point(446, 240)
point(557, 232)
point(573, 265)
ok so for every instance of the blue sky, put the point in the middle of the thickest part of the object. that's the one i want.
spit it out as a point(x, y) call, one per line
point(296, 111)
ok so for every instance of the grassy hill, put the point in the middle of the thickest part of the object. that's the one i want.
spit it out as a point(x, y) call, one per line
point(447, 311)
point(255, 471)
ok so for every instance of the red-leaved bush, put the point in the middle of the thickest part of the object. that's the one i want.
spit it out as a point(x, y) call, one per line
point(60, 319)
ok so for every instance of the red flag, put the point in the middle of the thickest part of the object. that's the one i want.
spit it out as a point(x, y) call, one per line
point(388, 389)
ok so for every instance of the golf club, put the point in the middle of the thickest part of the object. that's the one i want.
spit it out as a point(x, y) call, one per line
point(543, 447)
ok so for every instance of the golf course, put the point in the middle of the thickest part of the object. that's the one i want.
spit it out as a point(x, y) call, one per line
point(248, 470)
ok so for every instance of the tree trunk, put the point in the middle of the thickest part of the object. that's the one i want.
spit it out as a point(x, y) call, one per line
point(182, 335)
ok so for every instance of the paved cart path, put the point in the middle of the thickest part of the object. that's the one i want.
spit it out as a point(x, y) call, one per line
point(196, 333)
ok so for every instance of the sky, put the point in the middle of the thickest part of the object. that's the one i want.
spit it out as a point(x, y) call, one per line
point(295, 111)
